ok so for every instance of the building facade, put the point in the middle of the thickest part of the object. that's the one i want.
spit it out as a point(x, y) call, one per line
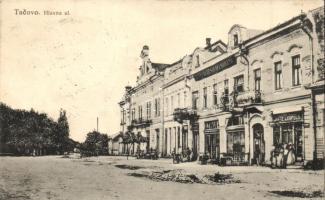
point(236, 102)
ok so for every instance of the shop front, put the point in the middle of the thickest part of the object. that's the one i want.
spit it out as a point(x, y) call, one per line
point(236, 140)
point(288, 132)
point(212, 139)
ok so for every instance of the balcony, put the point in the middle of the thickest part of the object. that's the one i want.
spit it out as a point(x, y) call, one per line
point(181, 114)
point(248, 98)
point(140, 123)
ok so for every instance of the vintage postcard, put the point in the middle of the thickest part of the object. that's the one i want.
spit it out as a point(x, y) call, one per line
point(162, 99)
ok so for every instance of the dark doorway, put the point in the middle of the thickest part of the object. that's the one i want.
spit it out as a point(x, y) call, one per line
point(259, 143)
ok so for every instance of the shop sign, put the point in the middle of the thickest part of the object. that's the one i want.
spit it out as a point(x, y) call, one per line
point(287, 117)
point(211, 124)
point(218, 67)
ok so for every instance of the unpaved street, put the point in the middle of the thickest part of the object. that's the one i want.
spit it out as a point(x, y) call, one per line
point(53, 177)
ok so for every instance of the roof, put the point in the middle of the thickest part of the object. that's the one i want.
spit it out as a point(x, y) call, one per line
point(276, 27)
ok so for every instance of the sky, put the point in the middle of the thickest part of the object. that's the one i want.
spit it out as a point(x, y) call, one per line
point(82, 61)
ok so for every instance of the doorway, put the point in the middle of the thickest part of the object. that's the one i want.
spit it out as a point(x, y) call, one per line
point(259, 143)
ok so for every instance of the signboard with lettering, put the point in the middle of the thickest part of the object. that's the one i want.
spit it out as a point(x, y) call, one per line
point(288, 117)
point(218, 67)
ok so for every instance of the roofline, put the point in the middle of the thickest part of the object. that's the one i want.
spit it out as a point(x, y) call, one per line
point(275, 28)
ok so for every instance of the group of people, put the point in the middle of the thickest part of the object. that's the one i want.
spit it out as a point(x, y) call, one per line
point(184, 155)
point(282, 155)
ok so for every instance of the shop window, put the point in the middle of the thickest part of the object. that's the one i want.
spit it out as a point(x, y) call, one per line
point(148, 139)
point(257, 79)
point(205, 98)
point(229, 143)
point(296, 70)
point(178, 138)
point(236, 144)
point(276, 135)
point(278, 75)
point(239, 84)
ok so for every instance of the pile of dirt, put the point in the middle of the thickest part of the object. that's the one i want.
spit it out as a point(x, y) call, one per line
point(181, 177)
point(222, 178)
point(130, 167)
point(299, 194)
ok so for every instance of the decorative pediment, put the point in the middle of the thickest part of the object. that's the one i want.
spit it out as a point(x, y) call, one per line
point(276, 53)
point(256, 62)
point(294, 46)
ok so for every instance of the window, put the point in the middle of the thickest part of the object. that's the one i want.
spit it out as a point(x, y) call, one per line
point(133, 114)
point(235, 40)
point(178, 137)
point(197, 61)
point(140, 112)
point(235, 121)
point(148, 110)
point(296, 70)
point(278, 75)
point(178, 100)
point(172, 103)
point(122, 116)
point(215, 94)
point(156, 108)
point(257, 79)
point(185, 98)
point(205, 97)
point(195, 96)
point(167, 107)
point(239, 84)
point(276, 135)
point(226, 91)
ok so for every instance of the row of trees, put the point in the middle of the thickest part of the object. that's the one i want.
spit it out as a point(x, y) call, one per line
point(31, 133)
point(95, 144)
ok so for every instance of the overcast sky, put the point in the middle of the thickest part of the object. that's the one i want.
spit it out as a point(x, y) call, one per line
point(82, 61)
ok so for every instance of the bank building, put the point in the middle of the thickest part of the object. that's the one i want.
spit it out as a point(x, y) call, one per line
point(233, 101)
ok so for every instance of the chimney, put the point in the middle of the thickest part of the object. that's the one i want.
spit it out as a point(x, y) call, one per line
point(208, 43)
point(128, 88)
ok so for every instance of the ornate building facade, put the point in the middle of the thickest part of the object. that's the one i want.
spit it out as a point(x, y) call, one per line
point(235, 102)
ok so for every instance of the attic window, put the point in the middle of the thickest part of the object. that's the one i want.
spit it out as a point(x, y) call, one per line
point(235, 40)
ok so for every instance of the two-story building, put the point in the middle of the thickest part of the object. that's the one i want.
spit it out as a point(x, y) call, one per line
point(237, 102)
point(260, 83)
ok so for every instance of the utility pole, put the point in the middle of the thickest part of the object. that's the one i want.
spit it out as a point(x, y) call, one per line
point(97, 124)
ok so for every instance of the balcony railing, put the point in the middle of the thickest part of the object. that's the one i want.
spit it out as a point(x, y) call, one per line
point(181, 114)
point(248, 98)
point(140, 123)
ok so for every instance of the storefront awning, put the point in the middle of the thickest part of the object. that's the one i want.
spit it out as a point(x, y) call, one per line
point(287, 109)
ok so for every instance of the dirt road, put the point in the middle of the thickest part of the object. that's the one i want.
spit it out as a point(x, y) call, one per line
point(53, 177)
